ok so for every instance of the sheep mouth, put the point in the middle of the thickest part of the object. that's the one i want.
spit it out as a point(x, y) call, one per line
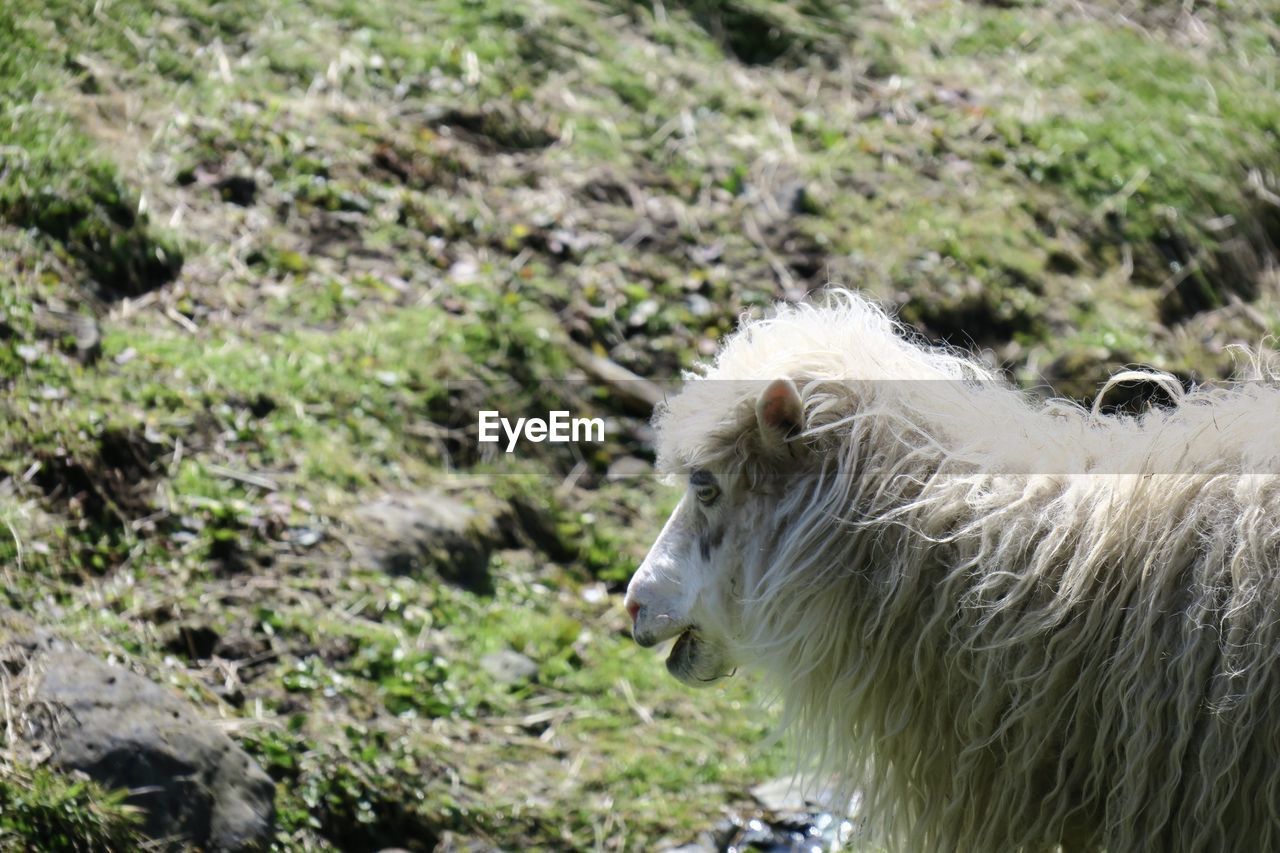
point(683, 650)
point(694, 661)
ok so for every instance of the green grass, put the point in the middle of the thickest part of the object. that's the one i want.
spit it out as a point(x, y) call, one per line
point(1157, 140)
point(54, 179)
point(42, 808)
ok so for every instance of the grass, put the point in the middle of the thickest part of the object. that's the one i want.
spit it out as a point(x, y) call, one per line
point(58, 184)
point(317, 236)
point(1157, 140)
point(37, 805)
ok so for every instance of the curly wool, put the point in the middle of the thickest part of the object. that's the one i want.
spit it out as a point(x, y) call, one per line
point(1011, 624)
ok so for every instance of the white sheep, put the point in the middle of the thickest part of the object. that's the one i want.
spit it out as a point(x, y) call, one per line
point(1013, 625)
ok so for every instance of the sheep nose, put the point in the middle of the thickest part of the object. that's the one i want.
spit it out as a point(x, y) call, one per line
point(633, 610)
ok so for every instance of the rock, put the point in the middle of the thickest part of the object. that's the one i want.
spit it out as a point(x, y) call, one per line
point(195, 786)
point(508, 667)
point(66, 325)
point(454, 843)
point(88, 336)
point(796, 794)
point(792, 832)
point(626, 467)
point(784, 794)
point(408, 534)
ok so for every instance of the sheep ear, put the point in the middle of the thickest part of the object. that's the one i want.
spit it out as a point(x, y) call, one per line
point(779, 411)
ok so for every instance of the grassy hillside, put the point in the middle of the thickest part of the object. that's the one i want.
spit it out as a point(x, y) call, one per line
point(249, 250)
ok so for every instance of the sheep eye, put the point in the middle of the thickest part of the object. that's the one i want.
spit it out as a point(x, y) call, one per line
point(704, 487)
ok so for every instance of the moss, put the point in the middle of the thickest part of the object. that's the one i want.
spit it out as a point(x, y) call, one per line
point(44, 810)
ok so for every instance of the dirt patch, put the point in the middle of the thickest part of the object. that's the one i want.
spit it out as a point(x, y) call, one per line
point(496, 129)
point(760, 35)
point(1196, 277)
point(110, 484)
point(195, 642)
point(965, 311)
point(117, 248)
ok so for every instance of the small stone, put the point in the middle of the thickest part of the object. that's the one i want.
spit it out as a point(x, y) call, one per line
point(464, 270)
point(453, 843)
point(643, 313)
point(700, 306)
point(88, 339)
point(794, 794)
point(509, 667)
point(306, 537)
point(625, 467)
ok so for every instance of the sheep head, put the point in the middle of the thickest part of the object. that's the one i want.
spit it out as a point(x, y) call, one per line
point(690, 584)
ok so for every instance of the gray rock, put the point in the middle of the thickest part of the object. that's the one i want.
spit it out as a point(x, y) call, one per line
point(626, 467)
point(453, 843)
point(784, 794)
point(796, 794)
point(196, 786)
point(410, 534)
point(88, 337)
point(62, 322)
point(508, 667)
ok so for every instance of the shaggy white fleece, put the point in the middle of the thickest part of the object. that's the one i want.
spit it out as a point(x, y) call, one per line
point(1011, 624)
